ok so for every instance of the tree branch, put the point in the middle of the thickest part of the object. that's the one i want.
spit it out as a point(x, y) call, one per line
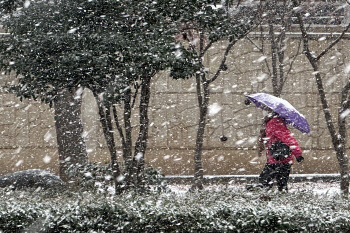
point(345, 100)
point(137, 86)
point(222, 65)
point(304, 34)
point(332, 44)
point(206, 49)
point(273, 57)
point(119, 128)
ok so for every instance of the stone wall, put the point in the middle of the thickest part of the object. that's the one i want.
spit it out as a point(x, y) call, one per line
point(27, 133)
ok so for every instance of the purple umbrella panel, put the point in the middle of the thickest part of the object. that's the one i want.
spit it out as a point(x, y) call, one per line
point(283, 108)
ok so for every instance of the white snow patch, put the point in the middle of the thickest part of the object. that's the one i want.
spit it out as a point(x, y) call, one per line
point(26, 108)
point(78, 93)
point(254, 160)
point(345, 113)
point(18, 150)
point(260, 59)
point(120, 178)
point(26, 4)
point(47, 159)
point(262, 77)
point(108, 177)
point(240, 142)
point(73, 30)
point(252, 140)
point(139, 156)
point(165, 123)
point(19, 163)
point(178, 53)
point(331, 80)
point(214, 109)
point(347, 69)
point(47, 136)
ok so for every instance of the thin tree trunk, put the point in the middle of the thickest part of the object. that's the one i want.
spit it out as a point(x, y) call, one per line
point(341, 156)
point(128, 127)
point(141, 143)
point(106, 122)
point(273, 44)
point(69, 130)
point(203, 104)
point(127, 146)
point(338, 139)
point(343, 162)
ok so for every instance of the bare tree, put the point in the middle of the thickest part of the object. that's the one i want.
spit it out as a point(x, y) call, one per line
point(277, 23)
point(338, 135)
point(201, 33)
point(203, 80)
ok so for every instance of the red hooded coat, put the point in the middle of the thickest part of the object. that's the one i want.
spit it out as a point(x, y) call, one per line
point(276, 129)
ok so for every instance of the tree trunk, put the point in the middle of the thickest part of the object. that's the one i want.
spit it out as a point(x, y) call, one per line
point(126, 138)
point(338, 140)
point(69, 130)
point(141, 143)
point(340, 151)
point(343, 162)
point(106, 122)
point(203, 110)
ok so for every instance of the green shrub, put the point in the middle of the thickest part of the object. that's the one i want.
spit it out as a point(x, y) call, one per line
point(96, 177)
point(207, 211)
point(91, 177)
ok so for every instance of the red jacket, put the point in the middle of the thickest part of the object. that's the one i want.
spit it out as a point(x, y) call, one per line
point(276, 129)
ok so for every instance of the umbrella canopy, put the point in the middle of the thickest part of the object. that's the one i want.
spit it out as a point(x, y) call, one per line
point(283, 108)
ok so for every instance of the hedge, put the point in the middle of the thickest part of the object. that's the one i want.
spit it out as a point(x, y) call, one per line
point(207, 211)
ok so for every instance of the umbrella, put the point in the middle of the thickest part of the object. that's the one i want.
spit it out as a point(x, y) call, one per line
point(283, 108)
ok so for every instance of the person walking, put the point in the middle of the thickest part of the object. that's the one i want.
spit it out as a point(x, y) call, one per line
point(281, 146)
point(281, 149)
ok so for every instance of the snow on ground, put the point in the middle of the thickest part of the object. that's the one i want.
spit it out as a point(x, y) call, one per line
point(317, 188)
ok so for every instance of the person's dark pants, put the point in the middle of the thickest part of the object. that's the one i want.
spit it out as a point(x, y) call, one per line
point(280, 171)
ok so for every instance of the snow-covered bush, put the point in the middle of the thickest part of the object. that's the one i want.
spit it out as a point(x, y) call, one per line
point(207, 211)
point(97, 178)
point(91, 176)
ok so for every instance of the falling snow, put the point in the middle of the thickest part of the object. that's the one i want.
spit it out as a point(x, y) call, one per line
point(214, 109)
point(104, 59)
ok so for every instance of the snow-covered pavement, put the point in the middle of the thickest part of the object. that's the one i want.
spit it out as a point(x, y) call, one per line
point(317, 188)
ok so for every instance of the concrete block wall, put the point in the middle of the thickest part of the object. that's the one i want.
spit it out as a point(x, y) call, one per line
point(28, 140)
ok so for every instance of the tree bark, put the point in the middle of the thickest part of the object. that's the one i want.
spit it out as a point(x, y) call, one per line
point(69, 130)
point(338, 138)
point(203, 104)
point(141, 143)
point(106, 122)
point(126, 137)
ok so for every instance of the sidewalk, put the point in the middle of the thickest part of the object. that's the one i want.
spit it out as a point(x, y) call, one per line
point(252, 178)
